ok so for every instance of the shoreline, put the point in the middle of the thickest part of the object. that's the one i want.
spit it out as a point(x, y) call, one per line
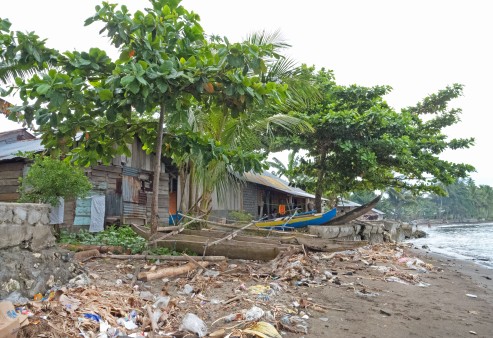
point(370, 292)
point(477, 272)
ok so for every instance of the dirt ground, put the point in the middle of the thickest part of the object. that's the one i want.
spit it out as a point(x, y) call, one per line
point(374, 291)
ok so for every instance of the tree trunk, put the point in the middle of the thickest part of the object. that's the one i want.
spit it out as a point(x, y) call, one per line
point(157, 173)
point(320, 179)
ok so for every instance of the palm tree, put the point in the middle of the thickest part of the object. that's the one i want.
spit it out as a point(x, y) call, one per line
point(249, 131)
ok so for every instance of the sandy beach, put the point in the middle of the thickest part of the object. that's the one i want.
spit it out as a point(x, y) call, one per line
point(442, 309)
point(378, 291)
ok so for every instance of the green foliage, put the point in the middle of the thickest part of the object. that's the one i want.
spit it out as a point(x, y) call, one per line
point(241, 216)
point(90, 106)
point(48, 179)
point(116, 236)
point(122, 236)
point(361, 143)
point(463, 200)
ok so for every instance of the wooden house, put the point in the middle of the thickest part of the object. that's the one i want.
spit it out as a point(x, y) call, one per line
point(121, 191)
point(259, 195)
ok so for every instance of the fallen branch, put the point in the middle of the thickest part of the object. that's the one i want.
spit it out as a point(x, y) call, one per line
point(170, 272)
point(85, 255)
point(100, 248)
point(150, 313)
point(167, 258)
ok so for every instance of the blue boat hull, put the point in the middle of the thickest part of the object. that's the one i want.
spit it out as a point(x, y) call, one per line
point(297, 221)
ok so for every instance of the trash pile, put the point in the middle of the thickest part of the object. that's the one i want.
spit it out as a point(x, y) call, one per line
point(221, 299)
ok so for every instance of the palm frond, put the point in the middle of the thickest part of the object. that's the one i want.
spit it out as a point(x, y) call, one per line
point(263, 38)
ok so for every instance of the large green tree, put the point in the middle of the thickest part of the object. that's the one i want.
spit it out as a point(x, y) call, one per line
point(87, 105)
point(361, 143)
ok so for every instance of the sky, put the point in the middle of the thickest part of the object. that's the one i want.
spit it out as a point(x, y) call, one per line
point(417, 47)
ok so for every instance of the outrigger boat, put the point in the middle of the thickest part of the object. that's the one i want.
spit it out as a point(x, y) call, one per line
point(297, 221)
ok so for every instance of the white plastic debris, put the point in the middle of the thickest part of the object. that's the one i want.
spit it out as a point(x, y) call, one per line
point(211, 273)
point(255, 313)
point(396, 280)
point(193, 324)
point(161, 302)
point(470, 295)
point(187, 289)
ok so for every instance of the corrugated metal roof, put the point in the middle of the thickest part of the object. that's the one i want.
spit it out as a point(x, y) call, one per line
point(9, 150)
point(269, 180)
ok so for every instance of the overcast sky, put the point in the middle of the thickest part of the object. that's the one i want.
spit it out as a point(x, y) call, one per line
point(417, 47)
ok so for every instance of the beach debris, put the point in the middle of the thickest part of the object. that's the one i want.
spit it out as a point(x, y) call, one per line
point(396, 280)
point(470, 295)
point(10, 320)
point(168, 297)
point(262, 329)
point(365, 293)
point(194, 324)
point(254, 314)
point(385, 312)
point(170, 272)
point(473, 333)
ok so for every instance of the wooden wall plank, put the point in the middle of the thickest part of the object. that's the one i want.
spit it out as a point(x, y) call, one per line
point(9, 181)
point(10, 197)
point(10, 174)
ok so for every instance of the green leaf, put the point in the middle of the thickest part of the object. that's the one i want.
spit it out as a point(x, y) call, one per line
point(162, 86)
point(105, 95)
point(43, 89)
point(126, 80)
point(134, 87)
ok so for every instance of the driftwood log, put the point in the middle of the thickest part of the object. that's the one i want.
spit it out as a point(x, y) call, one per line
point(168, 258)
point(170, 272)
point(100, 248)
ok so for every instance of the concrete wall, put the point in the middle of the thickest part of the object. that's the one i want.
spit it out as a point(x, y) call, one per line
point(374, 233)
point(25, 225)
point(30, 263)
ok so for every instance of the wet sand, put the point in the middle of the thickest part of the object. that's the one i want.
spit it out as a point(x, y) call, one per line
point(443, 309)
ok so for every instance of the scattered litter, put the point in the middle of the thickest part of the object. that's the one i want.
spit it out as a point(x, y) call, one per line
point(187, 289)
point(211, 273)
point(16, 298)
point(364, 293)
point(396, 279)
point(254, 314)
point(161, 302)
point(146, 295)
point(473, 332)
point(470, 295)
point(385, 312)
point(263, 330)
point(324, 319)
point(194, 324)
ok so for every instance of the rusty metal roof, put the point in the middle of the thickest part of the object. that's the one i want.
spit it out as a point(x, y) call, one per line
point(9, 151)
point(269, 180)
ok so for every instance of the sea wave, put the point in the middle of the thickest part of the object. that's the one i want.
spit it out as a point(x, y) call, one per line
point(470, 241)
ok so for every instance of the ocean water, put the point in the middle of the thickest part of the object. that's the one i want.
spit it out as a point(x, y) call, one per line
point(464, 241)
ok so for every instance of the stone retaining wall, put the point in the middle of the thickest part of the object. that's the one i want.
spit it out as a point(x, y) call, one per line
point(30, 261)
point(25, 225)
point(374, 232)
